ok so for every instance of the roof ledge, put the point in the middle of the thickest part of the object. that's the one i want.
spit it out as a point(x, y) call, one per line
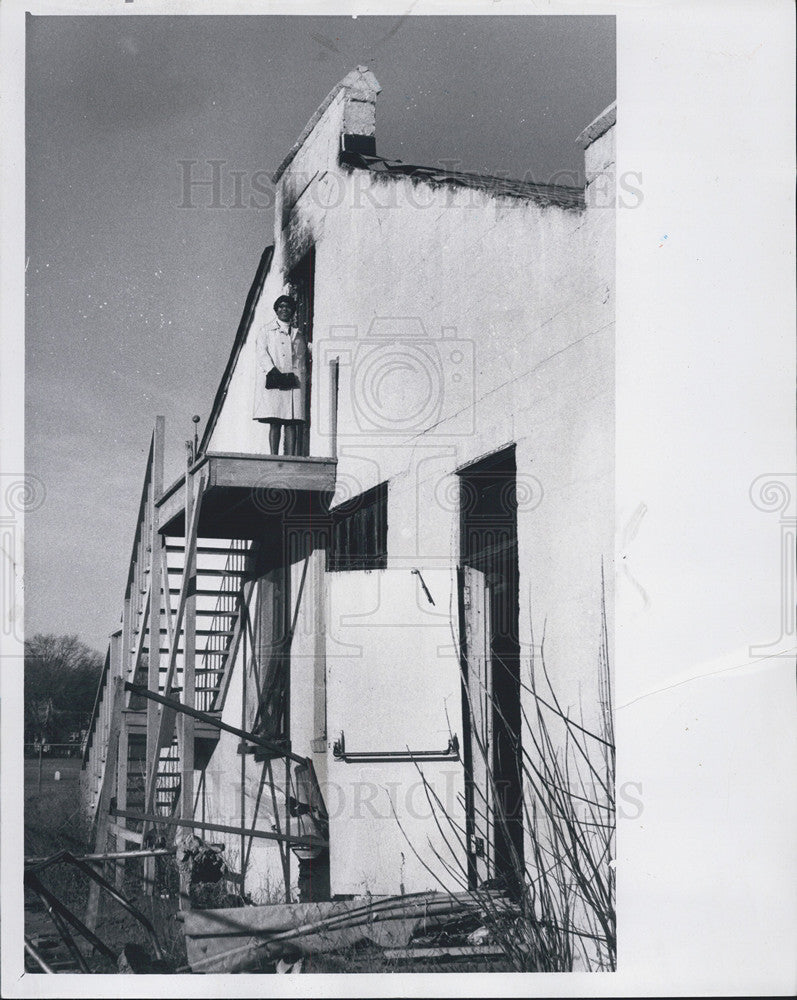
point(360, 86)
point(598, 127)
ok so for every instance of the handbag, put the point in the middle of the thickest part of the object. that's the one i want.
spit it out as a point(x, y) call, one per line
point(275, 379)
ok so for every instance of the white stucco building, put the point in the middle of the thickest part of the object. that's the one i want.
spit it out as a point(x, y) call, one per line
point(454, 498)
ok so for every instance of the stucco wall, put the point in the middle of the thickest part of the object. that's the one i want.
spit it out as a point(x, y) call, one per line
point(463, 323)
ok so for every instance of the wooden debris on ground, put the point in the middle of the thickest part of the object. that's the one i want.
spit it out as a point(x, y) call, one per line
point(203, 873)
point(255, 938)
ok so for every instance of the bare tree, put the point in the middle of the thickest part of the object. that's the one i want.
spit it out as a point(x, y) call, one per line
point(61, 676)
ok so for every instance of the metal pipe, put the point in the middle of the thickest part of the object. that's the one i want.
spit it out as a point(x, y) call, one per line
point(31, 949)
point(64, 932)
point(68, 858)
point(59, 914)
point(339, 752)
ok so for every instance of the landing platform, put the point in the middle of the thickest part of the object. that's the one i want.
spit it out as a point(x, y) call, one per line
point(243, 492)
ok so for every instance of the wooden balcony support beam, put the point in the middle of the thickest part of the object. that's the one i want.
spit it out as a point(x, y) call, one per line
point(154, 541)
point(166, 717)
point(192, 824)
point(211, 720)
point(185, 722)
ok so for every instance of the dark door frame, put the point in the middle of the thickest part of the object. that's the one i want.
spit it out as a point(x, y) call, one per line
point(488, 545)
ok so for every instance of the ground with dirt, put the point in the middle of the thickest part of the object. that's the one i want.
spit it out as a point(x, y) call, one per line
point(53, 822)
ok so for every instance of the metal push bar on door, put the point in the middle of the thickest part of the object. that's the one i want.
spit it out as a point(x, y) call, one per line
point(339, 752)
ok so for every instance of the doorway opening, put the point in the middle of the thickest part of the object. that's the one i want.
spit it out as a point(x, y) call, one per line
point(301, 282)
point(488, 607)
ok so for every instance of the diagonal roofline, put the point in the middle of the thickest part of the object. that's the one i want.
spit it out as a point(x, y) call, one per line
point(564, 196)
point(247, 316)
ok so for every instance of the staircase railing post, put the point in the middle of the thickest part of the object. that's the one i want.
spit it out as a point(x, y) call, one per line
point(155, 603)
point(186, 724)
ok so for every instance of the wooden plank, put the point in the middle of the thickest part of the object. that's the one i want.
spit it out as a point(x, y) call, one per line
point(123, 833)
point(127, 639)
point(112, 855)
point(251, 472)
point(274, 917)
point(133, 562)
point(142, 646)
point(87, 755)
point(203, 592)
point(237, 940)
point(170, 491)
point(137, 725)
point(166, 716)
point(167, 604)
point(155, 605)
point(464, 951)
point(107, 789)
point(186, 723)
point(200, 631)
point(244, 723)
point(194, 824)
point(172, 503)
point(266, 460)
point(122, 777)
point(212, 721)
point(202, 550)
point(241, 335)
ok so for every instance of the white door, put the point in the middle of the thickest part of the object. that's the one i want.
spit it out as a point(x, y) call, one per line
point(394, 715)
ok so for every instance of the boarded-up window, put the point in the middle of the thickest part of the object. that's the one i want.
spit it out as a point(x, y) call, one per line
point(359, 532)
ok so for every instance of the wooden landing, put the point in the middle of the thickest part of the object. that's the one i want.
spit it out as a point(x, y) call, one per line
point(243, 492)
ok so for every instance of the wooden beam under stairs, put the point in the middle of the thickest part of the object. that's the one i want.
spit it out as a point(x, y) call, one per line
point(176, 706)
point(206, 592)
point(153, 819)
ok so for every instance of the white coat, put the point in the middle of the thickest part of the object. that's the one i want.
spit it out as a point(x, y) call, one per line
point(283, 347)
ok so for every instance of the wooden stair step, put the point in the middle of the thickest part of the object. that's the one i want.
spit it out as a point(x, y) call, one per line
point(218, 550)
point(205, 592)
point(209, 571)
point(203, 631)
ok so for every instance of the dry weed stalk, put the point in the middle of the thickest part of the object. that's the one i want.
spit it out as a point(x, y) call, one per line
point(564, 888)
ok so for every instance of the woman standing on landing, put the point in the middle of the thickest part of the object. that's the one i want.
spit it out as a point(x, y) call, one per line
point(281, 377)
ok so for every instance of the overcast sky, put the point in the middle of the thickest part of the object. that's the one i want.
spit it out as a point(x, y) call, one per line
point(133, 301)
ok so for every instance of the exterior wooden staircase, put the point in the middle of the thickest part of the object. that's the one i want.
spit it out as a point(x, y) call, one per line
point(158, 712)
point(141, 755)
point(220, 573)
